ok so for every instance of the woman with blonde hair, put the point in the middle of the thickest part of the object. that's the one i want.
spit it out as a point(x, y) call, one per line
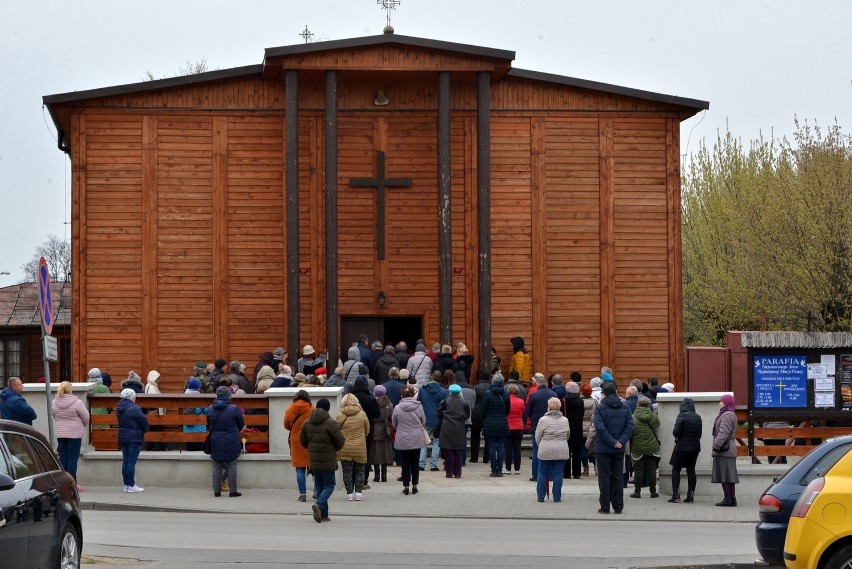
point(353, 456)
point(71, 420)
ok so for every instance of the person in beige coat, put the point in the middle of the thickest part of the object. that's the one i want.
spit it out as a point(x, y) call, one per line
point(353, 456)
point(551, 435)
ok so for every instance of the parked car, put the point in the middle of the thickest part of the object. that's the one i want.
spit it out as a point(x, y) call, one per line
point(41, 524)
point(820, 530)
point(777, 502)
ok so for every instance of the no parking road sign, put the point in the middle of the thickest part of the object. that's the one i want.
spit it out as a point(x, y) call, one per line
point(45, 296)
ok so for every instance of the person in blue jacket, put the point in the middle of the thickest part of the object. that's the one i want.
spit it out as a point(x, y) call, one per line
point(224, 422)
point(613, 428)
point(132, 426)
point(431, 395)
point(13, 406)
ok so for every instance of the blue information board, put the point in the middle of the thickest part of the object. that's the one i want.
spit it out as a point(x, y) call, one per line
point(780, 381)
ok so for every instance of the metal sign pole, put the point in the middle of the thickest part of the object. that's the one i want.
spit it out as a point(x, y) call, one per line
point(47, 394)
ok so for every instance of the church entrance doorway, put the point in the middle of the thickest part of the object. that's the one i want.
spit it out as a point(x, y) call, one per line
point(388, 329)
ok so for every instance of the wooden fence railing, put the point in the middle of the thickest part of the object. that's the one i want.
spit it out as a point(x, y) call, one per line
point(798, 440)
point(168, 427)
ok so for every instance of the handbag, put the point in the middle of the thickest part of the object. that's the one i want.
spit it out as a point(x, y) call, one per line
point(427, 440)
point(725, 446)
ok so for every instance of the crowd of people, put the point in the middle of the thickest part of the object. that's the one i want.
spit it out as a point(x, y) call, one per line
point(397, 404)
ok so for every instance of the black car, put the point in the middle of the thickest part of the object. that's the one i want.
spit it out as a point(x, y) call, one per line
point(777, 502)
point(41, 525)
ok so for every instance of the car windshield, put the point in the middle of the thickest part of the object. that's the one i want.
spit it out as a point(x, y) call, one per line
point(821, 467)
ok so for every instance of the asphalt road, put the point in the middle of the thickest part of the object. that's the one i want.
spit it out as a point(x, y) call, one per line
point(189, 541)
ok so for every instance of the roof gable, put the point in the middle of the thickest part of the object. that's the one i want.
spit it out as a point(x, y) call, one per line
point(388, 53)
point(19, 304)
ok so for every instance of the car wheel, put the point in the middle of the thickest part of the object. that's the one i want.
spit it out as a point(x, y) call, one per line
point(840, 559)
point(69, 549)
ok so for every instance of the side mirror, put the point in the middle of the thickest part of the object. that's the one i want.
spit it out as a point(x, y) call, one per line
point(6, 482)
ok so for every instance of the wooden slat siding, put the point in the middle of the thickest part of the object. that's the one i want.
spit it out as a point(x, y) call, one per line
point(572, 209)
point(240, 93)
point(314, 330)
point(381, 267)
point(185, 257)
point(516, 93)
point(412, 218)
point(219, 224)
point(470, 242)
point(606, 232)
point(149, 240)
point(112, 241)
point(641, 247)
point(383, 58)
point(461, 267)
point(511, 234)
point(675, 253)
point(173, 420)
point(255, 271)
point(356, 206)
point(538, 222)
point(79, 218)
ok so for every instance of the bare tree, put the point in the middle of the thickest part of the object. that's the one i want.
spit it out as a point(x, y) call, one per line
point(188, 68)
point(57, 253)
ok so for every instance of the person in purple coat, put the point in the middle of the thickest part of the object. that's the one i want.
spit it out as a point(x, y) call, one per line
point(408, 421)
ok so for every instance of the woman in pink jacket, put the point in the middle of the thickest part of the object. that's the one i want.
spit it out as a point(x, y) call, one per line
point(71, 419)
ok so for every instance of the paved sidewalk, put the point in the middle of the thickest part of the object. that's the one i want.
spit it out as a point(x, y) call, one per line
point(475, 495)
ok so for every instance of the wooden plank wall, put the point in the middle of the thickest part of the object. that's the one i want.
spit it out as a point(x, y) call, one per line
point(641, 249)
point(511, 235)
point(111, 260)
point(179, 230)
point(572, 209)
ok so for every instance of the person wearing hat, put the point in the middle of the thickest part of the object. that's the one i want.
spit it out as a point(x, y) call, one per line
point(495, 424)
point(200, 373)
point(132, 426)
point(382, 451)
point(225, 421)
point(133, 382)
point(310, 362)
point(265, 378)
point(217, 373)
point(644, 448)
point(193, 387)
point(322, 437)
point(725, 451)
point(96, 377)
point(687, 434)
point(613, 429)
point(279, 356)
point(453, 412)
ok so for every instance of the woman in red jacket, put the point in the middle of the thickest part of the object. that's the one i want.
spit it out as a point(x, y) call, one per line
point(516, 430)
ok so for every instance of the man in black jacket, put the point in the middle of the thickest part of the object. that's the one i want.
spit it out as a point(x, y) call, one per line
point(613, 428)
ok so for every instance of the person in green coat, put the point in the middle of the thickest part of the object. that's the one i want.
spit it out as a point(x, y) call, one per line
point(645, 448)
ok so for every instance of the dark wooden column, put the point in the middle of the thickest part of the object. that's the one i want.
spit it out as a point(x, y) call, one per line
point(445, 225)
point(332, 335)
point(292, 211)
point(483, 184)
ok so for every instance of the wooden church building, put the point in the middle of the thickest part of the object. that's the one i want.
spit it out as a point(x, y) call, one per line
point(399, 186)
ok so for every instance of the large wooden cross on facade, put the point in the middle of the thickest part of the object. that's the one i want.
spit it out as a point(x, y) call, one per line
point(380, 183)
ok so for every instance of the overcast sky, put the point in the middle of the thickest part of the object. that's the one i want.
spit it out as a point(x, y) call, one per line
point(757, 63)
